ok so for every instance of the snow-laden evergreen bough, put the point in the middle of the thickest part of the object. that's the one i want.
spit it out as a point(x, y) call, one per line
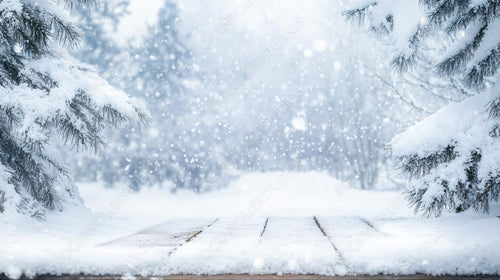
point(452, 157)
point(46, 96)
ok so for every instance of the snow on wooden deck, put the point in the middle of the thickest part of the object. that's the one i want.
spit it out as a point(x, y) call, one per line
point(172, 234)
point(264, 244)
point(303, 245)
point(297, 245)
point(276, 245)
point(229, 245)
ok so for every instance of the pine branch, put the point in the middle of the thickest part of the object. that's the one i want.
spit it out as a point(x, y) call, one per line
point(79, 4)
point(490, 193)
point(482, 14)
point(441, 11)
point(487, 67)
point(33, 33)
point(28, 173)
point(457, 62)
point(65, 33)
point(358, 14)
point(415, 198)
point(415, 166)
point(404, 62)
point(493, 108)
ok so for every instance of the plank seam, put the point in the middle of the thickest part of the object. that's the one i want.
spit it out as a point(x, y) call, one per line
point(264, 228)
point(192, 237)
point(329, 240)
point(372, 227)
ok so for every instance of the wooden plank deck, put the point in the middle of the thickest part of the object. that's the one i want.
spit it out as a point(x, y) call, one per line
point(276, 240)
point(265, 277)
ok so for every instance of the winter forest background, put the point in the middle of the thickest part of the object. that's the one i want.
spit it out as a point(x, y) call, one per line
point(220, 89)
point(285, 89)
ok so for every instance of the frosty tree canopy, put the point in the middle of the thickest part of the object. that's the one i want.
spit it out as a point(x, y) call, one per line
point(451, 155)
point(45, 95)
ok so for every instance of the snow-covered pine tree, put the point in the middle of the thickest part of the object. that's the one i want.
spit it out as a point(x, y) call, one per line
point(46, 96)
point(156, 72)
point(452, 156)
point(98, 48)
point(176, 147)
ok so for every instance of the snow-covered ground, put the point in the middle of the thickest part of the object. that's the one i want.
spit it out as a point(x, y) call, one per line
point(263, 223)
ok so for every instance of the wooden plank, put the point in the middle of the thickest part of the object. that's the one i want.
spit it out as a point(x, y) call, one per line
point(268, 277)
point(295, 244)
point(232, 242)
point(171, 233)
point(349, 233)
